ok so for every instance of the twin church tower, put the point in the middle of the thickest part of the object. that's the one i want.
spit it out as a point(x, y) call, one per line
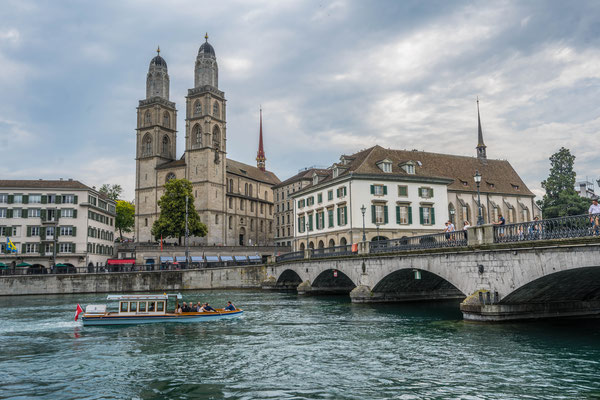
point(234, 200)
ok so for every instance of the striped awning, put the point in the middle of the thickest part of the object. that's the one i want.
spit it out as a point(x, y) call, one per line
point(166, 259)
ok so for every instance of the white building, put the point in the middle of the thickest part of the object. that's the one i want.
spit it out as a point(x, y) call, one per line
point(39, 216)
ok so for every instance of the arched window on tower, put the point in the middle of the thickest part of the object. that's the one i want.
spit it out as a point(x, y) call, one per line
point(147, 145)
point(197, 107)
point(165, 146)
point(166, 120)
point(197, 134)
point(216, 109)
point(147, 118)
point(170, 176)
point(246, 189)
point(216, 138)
point(250, 191)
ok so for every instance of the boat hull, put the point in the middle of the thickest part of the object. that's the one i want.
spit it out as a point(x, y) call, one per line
point(153, 319)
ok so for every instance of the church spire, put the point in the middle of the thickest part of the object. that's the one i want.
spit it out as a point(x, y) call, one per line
point(481, 153)
point(260, 156)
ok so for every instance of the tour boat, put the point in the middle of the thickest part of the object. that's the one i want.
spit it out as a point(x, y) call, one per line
point(146, 309)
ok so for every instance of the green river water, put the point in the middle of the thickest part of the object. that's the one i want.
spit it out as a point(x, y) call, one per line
point(290, 347)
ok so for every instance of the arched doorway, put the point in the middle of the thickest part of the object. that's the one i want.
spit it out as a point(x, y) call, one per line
point(311, 245)
point(379, 238)
point(242, 237)
point(343, 241)
point(331, 243)
point(321, 244)
point(302, 246)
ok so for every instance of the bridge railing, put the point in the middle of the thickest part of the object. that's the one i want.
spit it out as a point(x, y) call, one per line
point(331, 251)
point(552, 228)
point(294, 255)
point(432, 241)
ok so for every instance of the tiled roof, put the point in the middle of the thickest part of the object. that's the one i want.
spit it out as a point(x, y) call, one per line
point(172, 164)
point(498, 176)
point(238, 168)
point(43, 184)
point(302, 175)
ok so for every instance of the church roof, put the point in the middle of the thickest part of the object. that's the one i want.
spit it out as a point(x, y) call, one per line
point(159, 61)
point(172, 164)
point(238, 168)
point(498, 176)
point(206, 48)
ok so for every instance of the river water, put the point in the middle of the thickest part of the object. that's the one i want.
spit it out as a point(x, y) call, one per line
point(290, 347)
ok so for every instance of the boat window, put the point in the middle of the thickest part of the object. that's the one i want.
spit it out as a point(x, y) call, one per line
point(123, 306)
point(142, 306)
point(150, 306)
point(132, 306)
point(160, 306)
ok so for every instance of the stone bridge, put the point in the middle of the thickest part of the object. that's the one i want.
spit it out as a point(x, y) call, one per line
point(558, 278)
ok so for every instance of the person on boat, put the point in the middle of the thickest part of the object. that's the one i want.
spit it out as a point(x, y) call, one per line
point(185, 307)
point(230, 307)
point(208, 308)
point(198, 307)
point(194, 308)
point(178, 309)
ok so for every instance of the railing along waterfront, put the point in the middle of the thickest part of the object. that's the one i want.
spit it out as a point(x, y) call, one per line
point(432, 241)
point(294, 255)
point(552, 228)
point(331, 251)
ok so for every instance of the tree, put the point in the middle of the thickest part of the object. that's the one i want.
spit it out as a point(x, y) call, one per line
point(561, 199)
point(125, 217)
point(113, 192)
point(171, 222)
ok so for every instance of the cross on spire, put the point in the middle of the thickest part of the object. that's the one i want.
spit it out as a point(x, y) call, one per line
point(158, 50)
point(206, 37)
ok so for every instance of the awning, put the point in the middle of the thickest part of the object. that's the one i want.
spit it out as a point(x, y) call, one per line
point(166, 259)
point(149, 260)
point(122, 261)
point(180, 259)
point(212, 258)
point(23, 264)
point(2, 264)
point(255, 258)
point(197, 259)
point(240, 258)
point(226, 258)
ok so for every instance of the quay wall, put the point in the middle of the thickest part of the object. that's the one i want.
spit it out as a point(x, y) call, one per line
point(126, 282)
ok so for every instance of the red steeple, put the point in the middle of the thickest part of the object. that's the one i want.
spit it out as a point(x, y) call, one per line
point(260, 156)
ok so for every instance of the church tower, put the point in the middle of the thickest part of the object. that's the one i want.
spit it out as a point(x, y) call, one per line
point(481, 153)
point(261, 159)
point(155, 144)
point(205, 143)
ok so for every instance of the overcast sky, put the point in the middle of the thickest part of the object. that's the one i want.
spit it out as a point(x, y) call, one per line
point(332, 78)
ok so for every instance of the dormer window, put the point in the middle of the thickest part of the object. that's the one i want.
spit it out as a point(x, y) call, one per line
point(385, 166)
point(515, 187)
point(315, 179)
point(409, 167)
point(336, 172)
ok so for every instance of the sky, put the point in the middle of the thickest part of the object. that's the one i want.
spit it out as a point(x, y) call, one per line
point(332, 78)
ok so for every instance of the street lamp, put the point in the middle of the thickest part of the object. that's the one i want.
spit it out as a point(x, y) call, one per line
point(363, 210)
point(477, 179)
point(377, 223)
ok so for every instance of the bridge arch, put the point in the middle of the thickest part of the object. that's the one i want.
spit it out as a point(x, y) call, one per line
point(410, 284)
point(332, 281)
point(288, 280)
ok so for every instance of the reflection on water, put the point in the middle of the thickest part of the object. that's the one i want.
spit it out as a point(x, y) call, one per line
point(289, 347)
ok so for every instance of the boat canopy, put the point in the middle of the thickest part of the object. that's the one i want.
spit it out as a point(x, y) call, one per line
point(130, 297)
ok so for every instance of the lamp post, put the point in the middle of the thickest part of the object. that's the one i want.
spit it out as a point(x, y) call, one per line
point(377, 223)
point(477, 179)
point(363, 210)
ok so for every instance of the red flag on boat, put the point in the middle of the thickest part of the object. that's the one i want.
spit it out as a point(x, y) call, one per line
point(78, 311)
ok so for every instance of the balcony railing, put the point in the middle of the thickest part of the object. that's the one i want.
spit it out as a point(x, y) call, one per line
point(294, 255)
point(575, 226)
point(432, 241)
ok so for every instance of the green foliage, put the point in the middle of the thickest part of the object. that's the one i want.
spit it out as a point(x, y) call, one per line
point(113, 192)
point(171, 222)
point(125, 217)
point(561, 199)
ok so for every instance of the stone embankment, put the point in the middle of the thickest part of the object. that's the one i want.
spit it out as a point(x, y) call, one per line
point(129, 282)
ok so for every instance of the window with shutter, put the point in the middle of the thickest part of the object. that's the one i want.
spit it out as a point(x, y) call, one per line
point(385, 214)
point(373, 214)
point(421, 215)
point(398, 214)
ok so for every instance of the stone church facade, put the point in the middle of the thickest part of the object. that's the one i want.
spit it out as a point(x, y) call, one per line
point(233, 199)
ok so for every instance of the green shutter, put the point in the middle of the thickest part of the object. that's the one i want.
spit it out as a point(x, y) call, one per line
point(56, 231)
point(58, 199)
point(384, 189)
point(56, 214)
point(25, 199)
point(11, 199)
point(43, 232)
point(372, 189)
point(373, 220)
point(75, 199)
point(28, 231)
point(74, 231)
point(402, 191)
point(421, 214)
point(72, 247)
point(24, 213)
point(75, 215)
point(398, 214)
point(40, 249)
point(410, 215)
point(9, 213)
point(44, 199)
point(23, 248)
point(385, 214)
point(9, 231)
point(43, 215)
point(338, 217)
point(431, 191)
point(432, 211)
point(420, 192)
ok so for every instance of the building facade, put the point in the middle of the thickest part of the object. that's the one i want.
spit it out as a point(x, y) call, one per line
point(284, 204)
point(233, 199)
point(55, 222)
